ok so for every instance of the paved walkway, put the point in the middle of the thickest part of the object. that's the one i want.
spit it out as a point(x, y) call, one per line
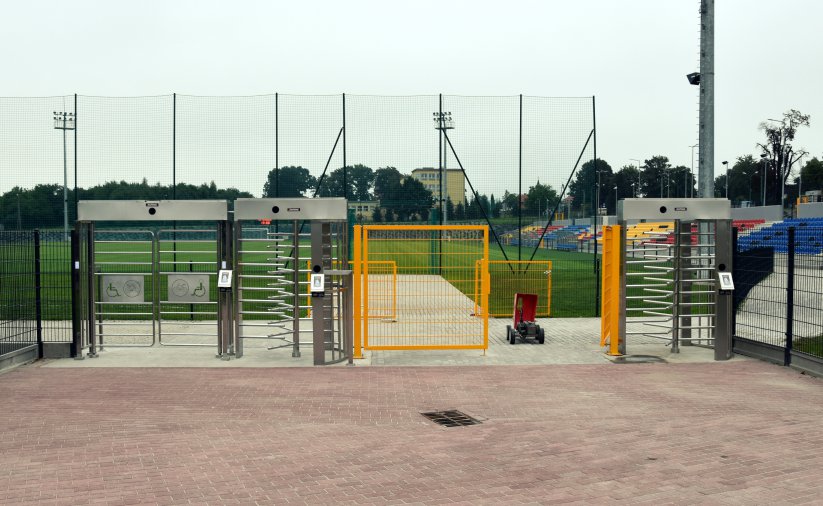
point(738, 432)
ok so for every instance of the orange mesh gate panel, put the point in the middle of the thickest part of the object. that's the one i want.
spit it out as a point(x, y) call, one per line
point(434, 286)
point(508, 277)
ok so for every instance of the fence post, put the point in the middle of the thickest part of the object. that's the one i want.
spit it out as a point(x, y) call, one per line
point(38, 294)
point(787, 358)
point(734, 273)
point(76, 345)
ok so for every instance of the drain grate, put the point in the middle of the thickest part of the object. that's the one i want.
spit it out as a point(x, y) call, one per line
point(451, 418)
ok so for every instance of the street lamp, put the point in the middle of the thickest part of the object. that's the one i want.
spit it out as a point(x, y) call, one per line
point(615, 199)
point(64, 121)
point(443, 121)
point(763, 178)
point(726, 163)
point(691, 186)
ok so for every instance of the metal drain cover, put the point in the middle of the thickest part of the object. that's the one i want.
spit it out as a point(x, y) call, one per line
point(451, 418)
point(639, 359)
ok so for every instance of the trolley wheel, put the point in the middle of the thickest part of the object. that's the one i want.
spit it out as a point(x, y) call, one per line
point(508, 332)
point(512, 337)
point(541, 336)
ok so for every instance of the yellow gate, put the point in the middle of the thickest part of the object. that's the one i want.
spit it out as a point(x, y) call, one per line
point(610, 290)
point(508, 277)
point(426, 275)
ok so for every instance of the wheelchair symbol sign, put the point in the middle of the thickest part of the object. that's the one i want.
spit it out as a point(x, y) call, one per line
point(120, 288)
point(188, 287)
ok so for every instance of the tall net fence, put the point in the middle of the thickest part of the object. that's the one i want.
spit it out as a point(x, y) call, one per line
point(426, 159)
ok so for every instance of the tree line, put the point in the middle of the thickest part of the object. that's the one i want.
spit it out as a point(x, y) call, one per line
point(778, 167)
point(42, 206)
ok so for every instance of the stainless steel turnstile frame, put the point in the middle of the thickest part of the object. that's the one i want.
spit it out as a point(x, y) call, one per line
point(286, 276)
point(92, 212)
point(681, 277)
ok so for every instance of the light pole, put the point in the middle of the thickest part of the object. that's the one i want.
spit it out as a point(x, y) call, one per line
point(634, 190)
point(443, 121)
point(691, 186)
point(726, 163)
point(615, 200)
point(64, 121)
point(639, 162)
point(763, 178)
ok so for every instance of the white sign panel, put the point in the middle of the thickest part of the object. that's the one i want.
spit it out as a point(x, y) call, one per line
point(125, 289)
point(188, 287)
point(224, 278)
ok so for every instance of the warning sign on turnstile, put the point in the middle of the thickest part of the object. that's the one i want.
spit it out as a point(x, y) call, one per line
point(188, 287)
point(125, 289)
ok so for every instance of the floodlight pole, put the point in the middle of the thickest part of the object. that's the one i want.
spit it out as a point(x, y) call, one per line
point(706, 135)
point(64, 121)
point(690, 185)
point(443, 121)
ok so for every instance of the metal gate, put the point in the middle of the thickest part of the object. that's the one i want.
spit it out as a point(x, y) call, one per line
point(151, 283)
point(186, 273)
point(275, 304)
point(661, 281)
point(433, 289)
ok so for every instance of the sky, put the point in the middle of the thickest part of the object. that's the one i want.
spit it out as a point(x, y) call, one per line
point(633, 56)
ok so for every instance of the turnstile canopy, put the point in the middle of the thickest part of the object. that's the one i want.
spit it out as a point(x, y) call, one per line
point(331, 209)
point(152, 210)
point(674, 209)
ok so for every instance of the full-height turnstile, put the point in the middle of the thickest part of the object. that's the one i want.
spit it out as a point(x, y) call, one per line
point(665, 283)
point(293, 279)
point(146, 273)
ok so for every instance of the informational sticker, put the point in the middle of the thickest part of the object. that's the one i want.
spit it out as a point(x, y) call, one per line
point(224, 278)
point(188, 287)
point(317, 285)
point(122, 288)
point(726, 281)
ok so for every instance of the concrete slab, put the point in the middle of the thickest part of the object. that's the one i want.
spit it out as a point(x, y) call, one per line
point(568, 341)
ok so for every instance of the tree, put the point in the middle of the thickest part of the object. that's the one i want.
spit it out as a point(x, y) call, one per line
point(508, 204)
point(811, 175)
point(627, 180)
point(655, 178)
point(744, 181)
point(387, 184)
point(678, 179)
point(780, 154)
point(361, 179)
point(358, 181)
point(494, 207)
point(290, 181)
point(584, 188)
point(459, 213)
point(416, 203)
point(540, 199)
point(377, 215)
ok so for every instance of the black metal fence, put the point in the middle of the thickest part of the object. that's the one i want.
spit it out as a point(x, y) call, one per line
point(35, 292)
point(778, 274)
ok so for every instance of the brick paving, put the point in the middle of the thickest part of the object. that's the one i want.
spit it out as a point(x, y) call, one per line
point(740, 432)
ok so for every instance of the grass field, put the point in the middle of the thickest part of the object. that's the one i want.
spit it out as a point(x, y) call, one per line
point(573, 276)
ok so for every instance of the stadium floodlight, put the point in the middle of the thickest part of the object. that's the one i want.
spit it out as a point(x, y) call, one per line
point(694, 78)
point(64, 121)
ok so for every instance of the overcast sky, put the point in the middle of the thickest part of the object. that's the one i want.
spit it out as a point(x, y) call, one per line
point(632, 55)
